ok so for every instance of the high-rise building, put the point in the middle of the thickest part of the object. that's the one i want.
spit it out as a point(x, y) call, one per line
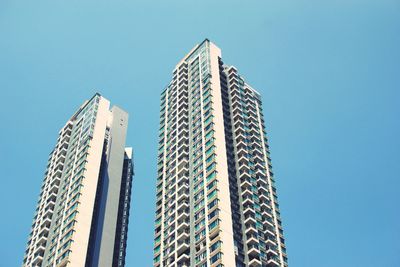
point(216, 203)
point(82, 214)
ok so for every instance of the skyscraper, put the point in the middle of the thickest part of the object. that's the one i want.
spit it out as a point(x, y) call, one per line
point(83, 208)
point(216, 202)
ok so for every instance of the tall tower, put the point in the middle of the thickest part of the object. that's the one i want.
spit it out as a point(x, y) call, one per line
point(82, 214)
point(216, 202)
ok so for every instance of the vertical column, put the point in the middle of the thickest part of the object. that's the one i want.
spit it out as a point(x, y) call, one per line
point(227, 255)
point(160, 190)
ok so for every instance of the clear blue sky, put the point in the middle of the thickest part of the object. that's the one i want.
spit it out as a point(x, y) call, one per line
point(328, 72)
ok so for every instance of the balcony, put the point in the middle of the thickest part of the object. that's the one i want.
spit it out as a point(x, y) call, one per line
point(255, 138)
point(238, 116)
point(263, 197)
point(265, 206)
point(272, 251)
point(267, 214)
point(37, 260)
point(50, 204)
point(183, 215)
point(44, 230)
point(237, 108)
point(248, 201)
point(249, 219)
point(269, 241)
point(55, 182)
point(183, 178)
point(183, 147)
point(38, 256)
point(273, 262)
point(235, 97)
point(253, 250)
point(42, 239)
point(57, 172)
point(251, 229)
point(244, 168)
point(248, 210)
point(182, 246)
point(183, 196)
point(239, 129)
point(183, 260)
point(183, 235)
point(182, 225)
point(262, 188)
point(238, 124)
point(182, 171)
point(45, 222)
point(245, 183)
point(183, 188)
point(270, 223)
point(255, 262)
point(252, 239)
point(233, 79)
point(246, 192)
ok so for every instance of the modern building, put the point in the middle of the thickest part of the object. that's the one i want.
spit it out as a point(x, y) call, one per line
point(82, 214)
point(216, 203)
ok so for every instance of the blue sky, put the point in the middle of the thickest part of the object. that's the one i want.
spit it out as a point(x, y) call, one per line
point(328, 72)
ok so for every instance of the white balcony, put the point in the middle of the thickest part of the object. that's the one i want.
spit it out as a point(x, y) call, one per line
point(273, 262)
point(182, 246)
point(255, 262)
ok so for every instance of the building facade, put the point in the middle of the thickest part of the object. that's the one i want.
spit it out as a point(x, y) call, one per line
point(216, 203)
point(83, 208)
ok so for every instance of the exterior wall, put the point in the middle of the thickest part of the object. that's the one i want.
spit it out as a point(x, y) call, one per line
point(89, 185)
point(69, 229)
point(121, 232)
point(262, 238)
point(38, 238)
point(189, 164)
point(172, 215)
point(112, 186)
point(224, 205)
point(216, 202)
